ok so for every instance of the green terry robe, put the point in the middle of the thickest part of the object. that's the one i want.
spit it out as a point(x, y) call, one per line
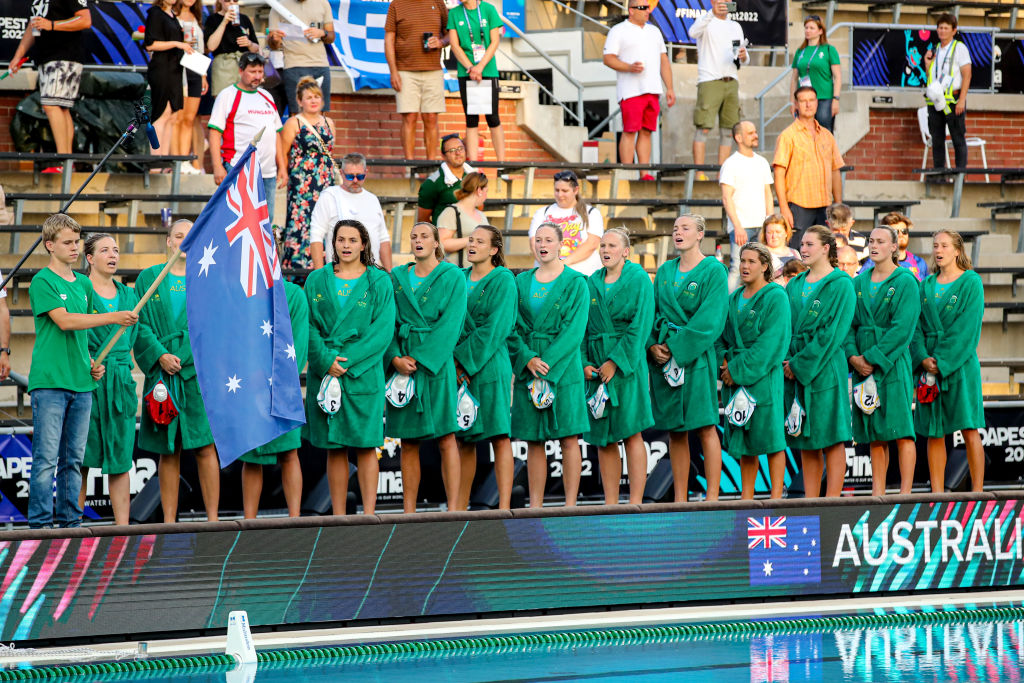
point(881, 332)
point(483, 353)
point(555, 335)
point(817, 359)
point(428, 324)
point(689, 321)
point(617, 329)
point(361, 333)
point(114, 401)
point(949, 331)
point(298, 311)
point(755, 343)
point(160, 333)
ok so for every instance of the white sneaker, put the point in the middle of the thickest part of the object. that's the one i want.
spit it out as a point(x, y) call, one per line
point(189, 169)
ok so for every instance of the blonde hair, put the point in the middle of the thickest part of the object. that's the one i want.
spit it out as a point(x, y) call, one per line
point(774, 219)
point(57, 222)
point(438, 250)
point(307, 83)
point(622, 232)
point(963, 261)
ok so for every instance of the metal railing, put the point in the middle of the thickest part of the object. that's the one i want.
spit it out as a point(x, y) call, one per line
point(580, 16)
point(578, 114)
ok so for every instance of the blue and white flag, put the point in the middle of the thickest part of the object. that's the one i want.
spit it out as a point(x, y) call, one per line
point(238, 318)
point(359, 41)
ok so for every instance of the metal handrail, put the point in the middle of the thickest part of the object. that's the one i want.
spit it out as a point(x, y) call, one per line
point(608, 119)
point(540, 85)
point(582, 15)
point(555, 65)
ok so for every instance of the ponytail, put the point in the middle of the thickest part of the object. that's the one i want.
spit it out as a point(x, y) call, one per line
point(829, 240)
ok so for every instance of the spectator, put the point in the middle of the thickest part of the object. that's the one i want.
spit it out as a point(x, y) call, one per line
point(350, 202)
point(413, 37)
point(58, 55)
point(839, 217)
point(166, 42)
point(790, 271)
point(239, 113)
point(907, 259)
point(775, 235)
point(189, 134)
point(458, 220)
point(63, 375)
point(949, 78)
point(848, 261)
point(582, 225)
point(438, 190)
point(308, 137)
point(474, 46)
point(229, 35)
point(636, 50)
point(807, 163)
point(5, 335)
point(721, 49)
point(304, 51)
point(816, 64)
point(746, 180)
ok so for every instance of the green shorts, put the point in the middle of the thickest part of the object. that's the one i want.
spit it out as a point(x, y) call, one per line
point(717, 99)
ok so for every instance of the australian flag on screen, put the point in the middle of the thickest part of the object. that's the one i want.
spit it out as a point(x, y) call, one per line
point(784, 550)
point(238, 317)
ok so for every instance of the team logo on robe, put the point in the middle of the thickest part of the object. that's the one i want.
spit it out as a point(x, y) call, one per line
point(891, 292)
point(952, 300)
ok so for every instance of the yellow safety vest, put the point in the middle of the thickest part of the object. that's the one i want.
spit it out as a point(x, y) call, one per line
point(951, 57)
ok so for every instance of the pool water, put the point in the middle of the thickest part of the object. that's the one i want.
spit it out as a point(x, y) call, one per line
point(981, 651)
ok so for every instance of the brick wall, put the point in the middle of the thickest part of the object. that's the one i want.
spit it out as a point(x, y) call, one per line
point(370, 124)
point(893, 147)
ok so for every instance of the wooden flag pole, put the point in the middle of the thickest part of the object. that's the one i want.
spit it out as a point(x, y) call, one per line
point(142, 302)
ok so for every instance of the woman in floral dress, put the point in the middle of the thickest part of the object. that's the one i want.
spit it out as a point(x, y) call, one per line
point(309, 138)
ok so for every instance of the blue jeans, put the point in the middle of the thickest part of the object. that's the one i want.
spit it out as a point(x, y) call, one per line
point(291, 77)
point(60, 421)
point(734, 256)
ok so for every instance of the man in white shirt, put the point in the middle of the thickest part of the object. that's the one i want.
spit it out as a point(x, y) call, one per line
point(636, 50)
point(350, 201)
point(240, 112)
point(720, 51)
point(746, 180)
point(949, 70)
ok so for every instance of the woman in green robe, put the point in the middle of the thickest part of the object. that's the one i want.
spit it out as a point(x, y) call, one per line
point(285, 448)
point(164, 354)
point(114, 401)
point(545, 352)
point(817, 397)
point(429, 298)
point(618, 324)
point(750, 352)
point(691, 295)
point(351, 322)
point(945, 351)
point(878, 347)
point(481, 361)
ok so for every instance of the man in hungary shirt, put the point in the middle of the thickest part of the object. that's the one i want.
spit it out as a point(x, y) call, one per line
point(240, 112)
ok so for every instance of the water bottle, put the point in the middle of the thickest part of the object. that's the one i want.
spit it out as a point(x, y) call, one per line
point(718, 253)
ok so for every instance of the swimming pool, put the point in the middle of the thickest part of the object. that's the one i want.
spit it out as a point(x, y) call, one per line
point(934, 645)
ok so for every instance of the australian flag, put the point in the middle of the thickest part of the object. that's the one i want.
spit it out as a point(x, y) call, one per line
point(238, 317)
point(784, 550)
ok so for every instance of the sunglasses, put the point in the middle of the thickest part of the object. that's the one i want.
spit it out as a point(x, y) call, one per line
point(251, 58)
point(812, 17)
point(642, 8)
point(355, 176)
point(566, 175)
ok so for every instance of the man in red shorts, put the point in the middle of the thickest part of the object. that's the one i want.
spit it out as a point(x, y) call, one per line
point(636, 50)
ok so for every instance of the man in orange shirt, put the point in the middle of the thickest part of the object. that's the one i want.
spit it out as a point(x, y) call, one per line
point(807, 163)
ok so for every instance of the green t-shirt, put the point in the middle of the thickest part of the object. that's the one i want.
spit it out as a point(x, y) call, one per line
point(472, 285)
point(345, 287)
point(474, 26)
point(60, 360)
point(940, 289)
point(415, 280)
point(435, 195)
point(809, 289)
point(741, 302)
point(177, 283)
point(873, 289)
point(538, 292)
point(815, 62)
point(608, 287)
point(681, 277)
point(108, 305)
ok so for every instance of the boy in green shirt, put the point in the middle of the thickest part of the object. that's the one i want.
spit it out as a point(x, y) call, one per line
point(62, 375)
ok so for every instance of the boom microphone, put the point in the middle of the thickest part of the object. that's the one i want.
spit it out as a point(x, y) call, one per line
point(142, 118)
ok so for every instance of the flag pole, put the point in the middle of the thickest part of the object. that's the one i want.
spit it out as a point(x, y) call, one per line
point(142, 302)
point(156, 283)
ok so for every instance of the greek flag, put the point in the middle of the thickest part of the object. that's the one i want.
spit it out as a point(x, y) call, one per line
point(359, 41)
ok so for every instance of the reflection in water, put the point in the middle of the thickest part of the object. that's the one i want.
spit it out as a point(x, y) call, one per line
point(956, 652)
